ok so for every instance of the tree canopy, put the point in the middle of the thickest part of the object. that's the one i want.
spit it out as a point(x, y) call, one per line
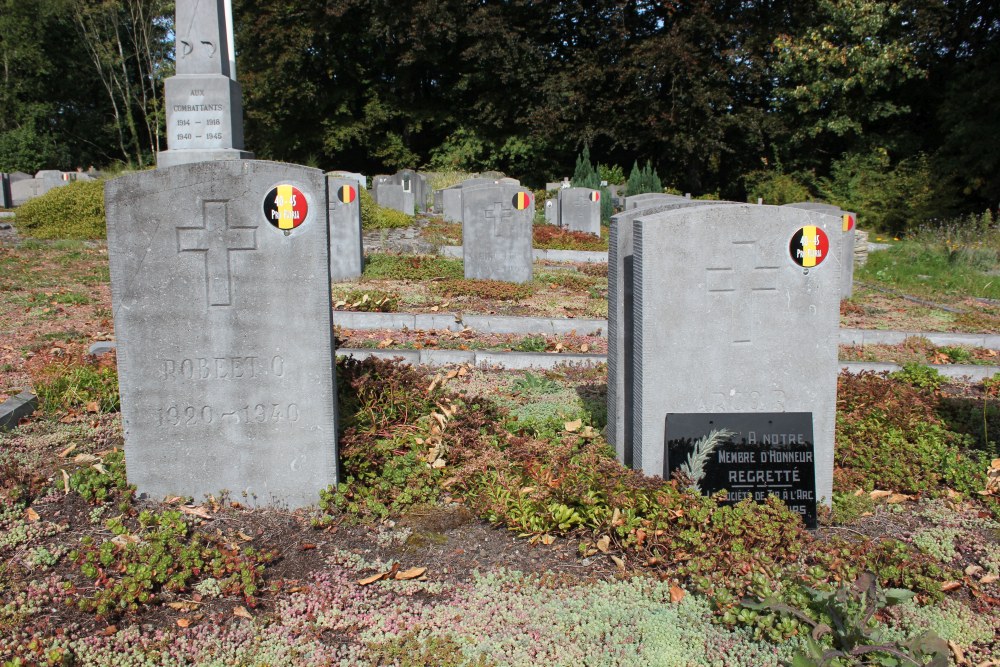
point(716, 95)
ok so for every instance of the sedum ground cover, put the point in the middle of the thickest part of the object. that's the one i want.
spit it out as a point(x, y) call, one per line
point(485, 521)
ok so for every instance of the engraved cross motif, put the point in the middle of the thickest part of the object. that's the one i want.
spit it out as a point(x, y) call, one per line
point(216, 238)
point(741, 283)
point(498, 216)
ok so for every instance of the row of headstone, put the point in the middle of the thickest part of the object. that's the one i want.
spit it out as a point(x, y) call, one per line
point(405, 191)
point(18, 187)
point(846, 247)
point(722, 347)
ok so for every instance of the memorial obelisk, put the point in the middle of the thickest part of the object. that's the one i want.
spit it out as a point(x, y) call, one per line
point(203, 99)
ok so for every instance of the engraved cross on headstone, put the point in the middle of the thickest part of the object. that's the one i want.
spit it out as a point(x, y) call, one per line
point(498, 216)
point(741, 283)
point(216, 238)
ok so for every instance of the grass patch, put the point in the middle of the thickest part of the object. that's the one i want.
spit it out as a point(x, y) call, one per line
point(77, 387)
point(380, 266)
point(958, 258)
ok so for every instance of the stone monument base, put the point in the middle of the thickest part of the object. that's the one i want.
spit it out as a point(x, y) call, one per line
point(169, 158)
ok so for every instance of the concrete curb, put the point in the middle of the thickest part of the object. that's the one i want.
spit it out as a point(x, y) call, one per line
point(540, 255)
point(591, 327)
point(523, 360)
point(13, 409)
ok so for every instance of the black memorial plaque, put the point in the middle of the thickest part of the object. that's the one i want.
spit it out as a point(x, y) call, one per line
point(763, 453)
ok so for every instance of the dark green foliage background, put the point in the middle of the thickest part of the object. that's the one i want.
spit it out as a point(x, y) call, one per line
point(886, 109)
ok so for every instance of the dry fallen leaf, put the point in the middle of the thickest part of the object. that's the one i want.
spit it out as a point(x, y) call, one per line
point(973, 570)
point(183, 606)
point(573, 426)
point(372, 579)
point(110, 630)
point(183, 622)
point(604, 543)
point(412, 573)
point(897, 498)
point(618, 562)
point(307, 546)
point(950, 586)
point(65, 476)
point(585, 348)
point(242, 613)
point(546, 539)
point(989, 579)
point(959, 654)
point(31, 515)
point(198, 511)
point(64, 453)
point(93, 406)
point(879, 494)
point(676, 594)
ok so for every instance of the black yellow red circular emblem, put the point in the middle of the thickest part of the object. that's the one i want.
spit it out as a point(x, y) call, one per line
point(346, 194)
point(809, 246)
point(285, 207)
point(848, 222)
point(595, 195)
point(521, 201)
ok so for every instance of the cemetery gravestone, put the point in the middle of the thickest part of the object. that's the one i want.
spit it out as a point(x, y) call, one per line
point(395, 197)
point(736, 314)
point(451, 203)
point(651, 199)
point(6, 195)
point(346, 246)
point(621, 322)
point(361, 179)
point(496, 232)
point(203, 100)
point(221, 295)
point(416, 184)
point(580, 210)
point(848, 222)
point(552, 212)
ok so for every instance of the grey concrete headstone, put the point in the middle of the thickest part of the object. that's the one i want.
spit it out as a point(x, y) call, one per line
point(24, 190)
point(416, 184)
point(580, 210)
point(621, 324)
point(221, 294)
point(203, 100)
point(451, 204)
point(6, 195)
point(390, 195)
point(361, 179)
point(728, 321)
point(552, 211)
point(14, 409)
point(346, 245)
point(496, 232)
point(848, 222)
point(651, 199)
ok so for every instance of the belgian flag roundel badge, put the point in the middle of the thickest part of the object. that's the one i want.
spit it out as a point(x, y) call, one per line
point(285, 207)
point(848, 222)
point(346, 194)
point(809, 246)
point(595, 195)
point(521, 201)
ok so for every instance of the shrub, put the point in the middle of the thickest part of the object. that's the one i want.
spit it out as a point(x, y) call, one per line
point(374, 216)
point(74, 211)
point(920, 376)
point(551, 237)
point(494, 290)
point(776, 187)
